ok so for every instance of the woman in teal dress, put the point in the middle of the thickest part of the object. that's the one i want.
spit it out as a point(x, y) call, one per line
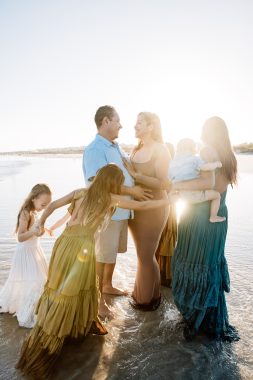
point(199, 267)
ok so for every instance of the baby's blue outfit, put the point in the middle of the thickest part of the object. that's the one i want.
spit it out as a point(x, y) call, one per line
point(186, 167)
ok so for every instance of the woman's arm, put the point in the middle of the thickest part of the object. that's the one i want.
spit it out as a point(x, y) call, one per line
point(161, 169)
point(23, 232)
point(151, 182)
point(120, 201)
point(209, 166)
point(205, 181)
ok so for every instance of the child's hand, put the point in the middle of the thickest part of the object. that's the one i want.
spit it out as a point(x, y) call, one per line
point(49, 231)
point(35, 229)
point(40, 230)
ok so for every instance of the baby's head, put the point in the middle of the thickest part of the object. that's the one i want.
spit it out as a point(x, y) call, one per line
point(186, 146)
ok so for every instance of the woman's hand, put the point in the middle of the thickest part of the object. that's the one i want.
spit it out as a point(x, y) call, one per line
point(129, 167)
point(141, 194)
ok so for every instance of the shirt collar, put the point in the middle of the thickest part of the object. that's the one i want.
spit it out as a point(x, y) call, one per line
point(105, 141)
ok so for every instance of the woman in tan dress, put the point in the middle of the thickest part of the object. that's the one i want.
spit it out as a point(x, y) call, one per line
point(149, 166)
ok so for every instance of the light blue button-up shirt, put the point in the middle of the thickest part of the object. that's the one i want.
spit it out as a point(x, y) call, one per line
point(101, 152)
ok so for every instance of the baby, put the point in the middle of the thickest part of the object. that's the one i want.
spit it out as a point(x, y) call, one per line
point(186, 166)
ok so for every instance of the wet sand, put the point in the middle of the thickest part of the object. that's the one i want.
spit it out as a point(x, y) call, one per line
point(140, 345)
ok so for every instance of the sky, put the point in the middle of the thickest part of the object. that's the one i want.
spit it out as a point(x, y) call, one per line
point(184, 60)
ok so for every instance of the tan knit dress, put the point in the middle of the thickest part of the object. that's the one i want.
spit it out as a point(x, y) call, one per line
point(146, 229)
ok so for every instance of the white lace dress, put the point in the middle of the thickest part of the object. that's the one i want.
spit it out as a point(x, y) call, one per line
point(25, 283)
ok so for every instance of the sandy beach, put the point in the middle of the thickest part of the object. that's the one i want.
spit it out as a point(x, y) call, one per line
point(139, 345)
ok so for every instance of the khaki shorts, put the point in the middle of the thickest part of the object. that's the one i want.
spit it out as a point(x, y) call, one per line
point(111, 241)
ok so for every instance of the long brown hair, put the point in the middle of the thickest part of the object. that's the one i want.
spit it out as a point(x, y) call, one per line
point(28, 205)
point(156, 133)
point(215, 133)
point(97, 199)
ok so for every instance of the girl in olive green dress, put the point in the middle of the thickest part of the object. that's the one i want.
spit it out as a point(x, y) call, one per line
point(69, 304)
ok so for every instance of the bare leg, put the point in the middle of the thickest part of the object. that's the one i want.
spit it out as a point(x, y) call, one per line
point(146, 229)
point(104, 311)
point(107, 282)
point(214, 197)
point(100, 272)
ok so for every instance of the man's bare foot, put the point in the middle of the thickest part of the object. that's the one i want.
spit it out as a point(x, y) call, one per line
point(104, 311)
point(108, 289)
point(217, 219)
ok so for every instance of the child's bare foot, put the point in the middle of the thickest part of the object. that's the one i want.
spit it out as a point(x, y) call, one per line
point(104, 311)
point(97, 328)
point(217, 219)
point(108, 289)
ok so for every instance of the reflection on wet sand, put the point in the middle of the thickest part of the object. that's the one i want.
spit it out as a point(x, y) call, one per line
point(140, 345)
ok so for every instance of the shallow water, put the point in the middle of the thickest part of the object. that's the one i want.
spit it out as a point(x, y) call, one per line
point(139, 345)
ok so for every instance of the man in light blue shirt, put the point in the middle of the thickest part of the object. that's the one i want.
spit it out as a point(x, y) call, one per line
point(100, 152)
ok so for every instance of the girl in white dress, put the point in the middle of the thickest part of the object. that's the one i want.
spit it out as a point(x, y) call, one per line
point(28, 271)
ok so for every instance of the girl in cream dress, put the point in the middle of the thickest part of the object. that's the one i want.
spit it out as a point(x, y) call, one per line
point(28, 272)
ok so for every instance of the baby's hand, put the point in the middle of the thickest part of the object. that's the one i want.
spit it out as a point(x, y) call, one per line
point(219, 164)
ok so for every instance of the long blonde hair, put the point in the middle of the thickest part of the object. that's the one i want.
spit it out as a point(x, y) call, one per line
point(28, 205)
point(97, 199)
point(215, 133)
point(156, 133)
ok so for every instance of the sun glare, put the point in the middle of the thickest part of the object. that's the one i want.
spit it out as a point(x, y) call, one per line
point(180, 206)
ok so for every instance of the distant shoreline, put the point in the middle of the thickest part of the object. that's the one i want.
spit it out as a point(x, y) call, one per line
point(55, 151)
point(245, 148)
point(39, 152)
point(239, 149)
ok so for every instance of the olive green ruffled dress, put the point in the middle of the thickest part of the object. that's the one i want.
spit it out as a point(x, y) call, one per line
point(68, 306)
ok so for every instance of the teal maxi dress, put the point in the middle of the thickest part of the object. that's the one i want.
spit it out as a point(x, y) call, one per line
point(200, 273)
